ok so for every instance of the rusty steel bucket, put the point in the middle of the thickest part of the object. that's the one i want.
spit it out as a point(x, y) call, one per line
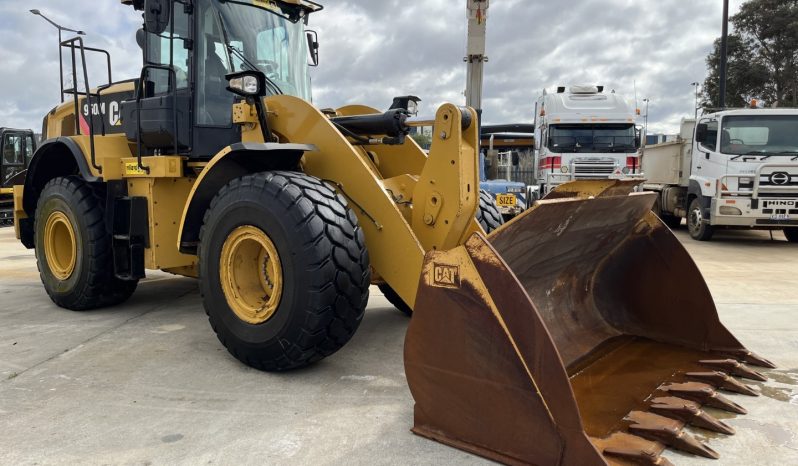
point(580, 333)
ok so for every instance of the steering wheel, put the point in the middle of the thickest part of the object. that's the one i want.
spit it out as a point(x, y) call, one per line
point(737, 141)
point(270, 68)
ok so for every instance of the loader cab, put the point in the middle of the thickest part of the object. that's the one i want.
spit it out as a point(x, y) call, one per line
point(16, 149)
point(190, 48)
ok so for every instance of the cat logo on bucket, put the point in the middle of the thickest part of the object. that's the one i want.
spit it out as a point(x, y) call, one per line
point(445, 276)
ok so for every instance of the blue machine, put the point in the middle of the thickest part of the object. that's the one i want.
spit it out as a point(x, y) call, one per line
point(511, 196)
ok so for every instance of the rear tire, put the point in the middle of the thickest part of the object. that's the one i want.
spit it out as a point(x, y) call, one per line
point(699, 229)
point(488, 217)
point(791, 234)
point(78, 271)
point(320, 274)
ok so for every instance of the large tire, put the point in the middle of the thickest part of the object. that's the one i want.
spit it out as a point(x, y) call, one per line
point(699, 229)
point(488, 217)
point(318, 251)
point(791, 234)
point(488, 214)
point(78, 274)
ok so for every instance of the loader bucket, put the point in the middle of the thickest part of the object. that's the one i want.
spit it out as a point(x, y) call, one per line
point(580, 333)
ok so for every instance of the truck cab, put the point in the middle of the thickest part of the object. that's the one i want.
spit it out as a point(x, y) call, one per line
point(745, 162)
point(740, 170)
point(584, 133)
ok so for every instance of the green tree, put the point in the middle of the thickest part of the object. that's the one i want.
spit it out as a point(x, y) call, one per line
point(423, 140)
point(762, 56)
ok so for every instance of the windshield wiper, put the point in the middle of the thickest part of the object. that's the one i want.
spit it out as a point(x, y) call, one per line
point(275, 89)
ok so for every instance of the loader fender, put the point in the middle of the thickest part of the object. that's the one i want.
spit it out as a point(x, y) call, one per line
point(57, 157)
point(232, 162)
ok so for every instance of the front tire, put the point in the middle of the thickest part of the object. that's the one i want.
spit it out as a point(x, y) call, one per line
point(699, 229)
point(284, 270)
point(791, 234)
point(73, 247)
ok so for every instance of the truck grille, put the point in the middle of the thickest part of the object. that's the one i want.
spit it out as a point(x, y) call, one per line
point(779, 179)
point(594, 169)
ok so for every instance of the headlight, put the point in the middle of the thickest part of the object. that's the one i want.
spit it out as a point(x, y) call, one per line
point(625, 170)
point(564, 169)
point(246, 84)
point(746, 183)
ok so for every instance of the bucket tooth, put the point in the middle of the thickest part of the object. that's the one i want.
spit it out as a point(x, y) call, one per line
point(722, 381)
point(633, 449)
point(667, 431)
point(689, 412)
point(734, 367)
point(704, 394)
point(751, 358)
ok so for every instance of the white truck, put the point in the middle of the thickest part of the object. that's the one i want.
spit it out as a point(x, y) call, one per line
point(582, 132)
point(734, 169)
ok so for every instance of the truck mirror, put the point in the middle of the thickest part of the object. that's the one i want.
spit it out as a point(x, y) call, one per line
point(313, 47)
point(701, 131)
point(157, 15)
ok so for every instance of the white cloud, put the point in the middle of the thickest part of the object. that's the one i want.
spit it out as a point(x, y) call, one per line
point(374, 50)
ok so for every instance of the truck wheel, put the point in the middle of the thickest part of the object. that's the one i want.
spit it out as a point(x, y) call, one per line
point(699, 230)
point(284, 270)
point(488, 217)
point(73, 248)
point(791, 234)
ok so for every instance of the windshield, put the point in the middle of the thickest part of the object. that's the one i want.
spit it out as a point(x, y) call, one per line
point(592, 138)
point(273, 44)
point(760, 135)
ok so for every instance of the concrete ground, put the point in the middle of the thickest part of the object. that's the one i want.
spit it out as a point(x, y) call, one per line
point(148, 382)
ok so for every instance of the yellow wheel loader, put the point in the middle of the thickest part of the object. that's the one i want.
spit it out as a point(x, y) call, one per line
point(548, 341)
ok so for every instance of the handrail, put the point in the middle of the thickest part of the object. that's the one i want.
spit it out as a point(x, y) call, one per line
point(73, 44)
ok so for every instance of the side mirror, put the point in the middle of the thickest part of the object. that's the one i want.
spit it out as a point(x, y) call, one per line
point(701, 131)
point(313, 47)
point(157, 15)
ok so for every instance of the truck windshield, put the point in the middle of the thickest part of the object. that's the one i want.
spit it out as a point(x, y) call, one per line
point(271, 43)
point(592, 138)
point(760, 135)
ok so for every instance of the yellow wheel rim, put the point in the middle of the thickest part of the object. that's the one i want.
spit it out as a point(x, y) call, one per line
point(60, 246)
point(251, 274)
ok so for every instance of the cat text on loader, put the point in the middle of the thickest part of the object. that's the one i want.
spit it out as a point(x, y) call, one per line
point(547, 342)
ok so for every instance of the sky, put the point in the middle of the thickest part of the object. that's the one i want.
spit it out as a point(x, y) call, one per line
point(373, 50)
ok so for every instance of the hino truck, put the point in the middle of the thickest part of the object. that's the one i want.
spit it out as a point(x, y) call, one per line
point(584, 133)
point(733, 169)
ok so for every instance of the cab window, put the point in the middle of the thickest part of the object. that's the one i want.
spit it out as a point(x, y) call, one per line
point(167, 49)
point(214, 101)
point(12, 150)
point(710, 140)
